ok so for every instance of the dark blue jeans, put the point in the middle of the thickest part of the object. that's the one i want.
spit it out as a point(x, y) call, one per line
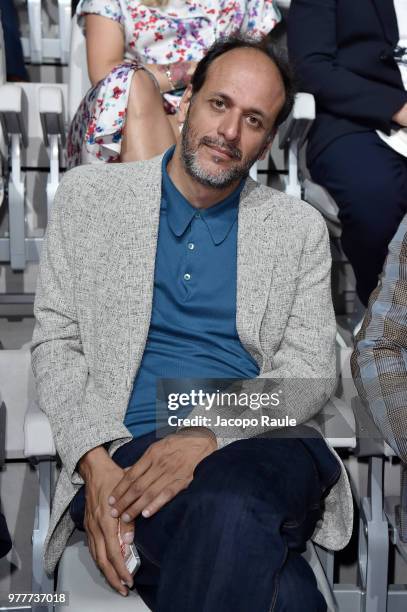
point(368, 181)
point(232, 541)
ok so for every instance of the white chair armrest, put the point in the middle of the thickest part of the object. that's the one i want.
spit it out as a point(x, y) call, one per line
point(38, 440)
point(51, 100)
point(2, 432)
point(52, 114)
point(338, 424)
point(284, 4)
point(13, 111)
point(298, 123)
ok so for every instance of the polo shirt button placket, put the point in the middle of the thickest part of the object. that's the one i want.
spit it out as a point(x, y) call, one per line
point(190, 247)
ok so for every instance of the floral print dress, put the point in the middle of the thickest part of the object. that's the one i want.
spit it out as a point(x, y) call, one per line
point(181, 31)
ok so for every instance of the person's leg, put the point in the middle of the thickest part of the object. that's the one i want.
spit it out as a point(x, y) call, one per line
point(297, 577)
point(225, 542)
point(147, 131)
point(15, 67)
point(368, 181)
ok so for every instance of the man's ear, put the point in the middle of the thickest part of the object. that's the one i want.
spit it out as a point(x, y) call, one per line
point(184, 105)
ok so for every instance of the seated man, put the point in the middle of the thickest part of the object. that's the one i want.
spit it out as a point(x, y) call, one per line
point(379, 361)
point(183, 267)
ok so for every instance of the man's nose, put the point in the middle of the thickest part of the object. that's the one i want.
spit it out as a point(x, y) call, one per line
point(230, 127)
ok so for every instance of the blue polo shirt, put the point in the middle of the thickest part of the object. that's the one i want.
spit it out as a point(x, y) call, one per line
point(192, 331)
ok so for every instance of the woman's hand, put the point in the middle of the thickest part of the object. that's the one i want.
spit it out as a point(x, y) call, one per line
point(180, 74)
point(103, 58)
point(401, 116)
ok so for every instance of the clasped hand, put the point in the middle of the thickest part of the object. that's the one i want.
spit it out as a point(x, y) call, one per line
point(165, 469)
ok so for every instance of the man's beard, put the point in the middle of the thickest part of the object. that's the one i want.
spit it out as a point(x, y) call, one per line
point(223, 178)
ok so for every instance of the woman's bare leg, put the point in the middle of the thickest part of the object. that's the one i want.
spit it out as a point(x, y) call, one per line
point(147, 131)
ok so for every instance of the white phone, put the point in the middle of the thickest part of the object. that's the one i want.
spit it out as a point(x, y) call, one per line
point(129, 553)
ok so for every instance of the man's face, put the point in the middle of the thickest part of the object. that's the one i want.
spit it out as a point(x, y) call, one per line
point(228, 124)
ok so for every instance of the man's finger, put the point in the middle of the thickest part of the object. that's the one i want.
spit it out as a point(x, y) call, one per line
point(90, 538)
point(104, 564)
point(135, 471)
point(91, 546)
point(136, 488)
point(156, 496)
point(113, 551)
point(166, 495)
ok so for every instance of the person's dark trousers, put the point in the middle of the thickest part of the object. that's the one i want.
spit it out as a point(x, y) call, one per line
point(232, 541)
point(368, 181)
point(14, 53)
point(5, 540)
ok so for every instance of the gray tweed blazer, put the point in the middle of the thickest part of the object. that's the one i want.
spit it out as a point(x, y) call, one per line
point(93, 307)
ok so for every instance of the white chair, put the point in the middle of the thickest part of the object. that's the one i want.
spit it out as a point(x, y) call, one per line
point(16, 385)
point(77, 573)
point(19, 148)
point(22, 140)
point(23, 137)
point(46, 32)
point(13, 117)
point(58, 105)
point(292, 140)
point(2, 81)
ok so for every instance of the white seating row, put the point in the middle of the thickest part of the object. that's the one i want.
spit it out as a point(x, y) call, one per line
point(45, 26)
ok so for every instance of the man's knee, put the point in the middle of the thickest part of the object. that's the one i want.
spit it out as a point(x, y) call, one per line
point(230, 472)
point(261, 477)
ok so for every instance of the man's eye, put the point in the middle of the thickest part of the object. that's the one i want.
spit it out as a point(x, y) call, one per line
point(253, 121)
point(219, 104)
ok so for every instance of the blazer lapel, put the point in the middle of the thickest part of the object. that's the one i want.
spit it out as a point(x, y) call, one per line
point(388, 19)
point(142, 214)
point(255, 263)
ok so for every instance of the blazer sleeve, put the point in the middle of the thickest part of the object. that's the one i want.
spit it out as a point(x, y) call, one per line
point(379, 361)
point(58, 361)
point(313, 50)
point(306, 359)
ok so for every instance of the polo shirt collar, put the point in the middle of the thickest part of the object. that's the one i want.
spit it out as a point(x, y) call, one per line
point(219, 218)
